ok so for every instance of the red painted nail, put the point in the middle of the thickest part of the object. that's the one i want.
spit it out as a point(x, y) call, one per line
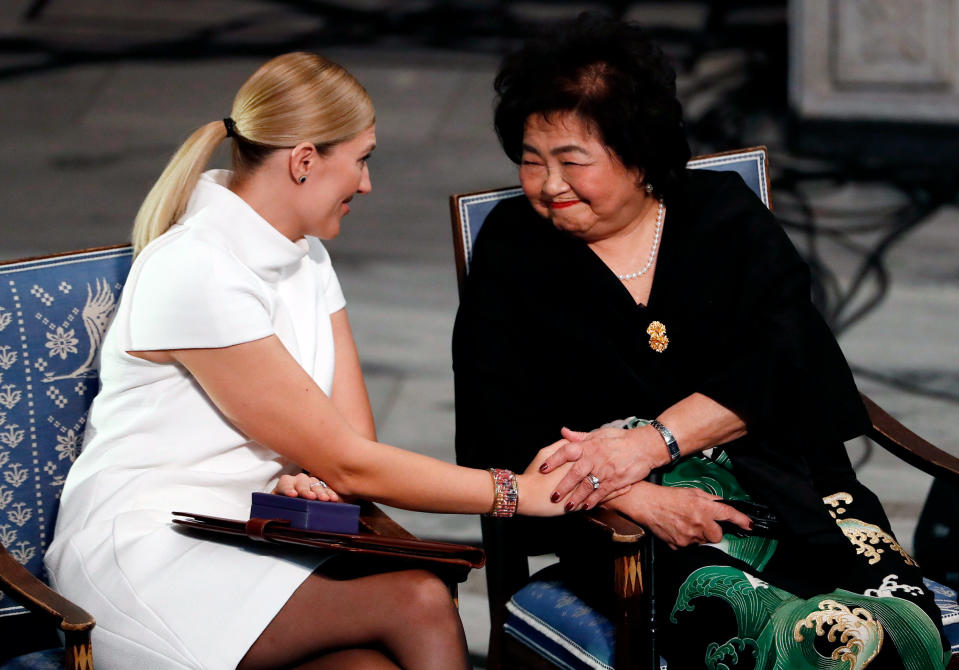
point(544, 467)
point(554, 497)
point(569, 506)
point(585, 506)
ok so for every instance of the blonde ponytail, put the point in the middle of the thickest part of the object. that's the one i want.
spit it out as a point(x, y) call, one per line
point(290, 99)
point(167, 200)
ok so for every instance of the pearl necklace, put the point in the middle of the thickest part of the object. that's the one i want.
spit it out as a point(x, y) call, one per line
point(652, 252)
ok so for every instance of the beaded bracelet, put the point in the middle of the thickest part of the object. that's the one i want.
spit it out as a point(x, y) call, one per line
point(505, 493)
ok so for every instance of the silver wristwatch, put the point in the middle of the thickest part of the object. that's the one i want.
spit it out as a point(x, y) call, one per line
point(670, 440)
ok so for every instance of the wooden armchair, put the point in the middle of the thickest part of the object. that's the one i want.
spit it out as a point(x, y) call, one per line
point(53, 314)
point(527, 629)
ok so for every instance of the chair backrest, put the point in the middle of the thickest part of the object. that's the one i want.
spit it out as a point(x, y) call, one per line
point(53, 314)
point(468, 211)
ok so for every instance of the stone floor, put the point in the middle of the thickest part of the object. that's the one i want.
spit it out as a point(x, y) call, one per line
point(95, 95)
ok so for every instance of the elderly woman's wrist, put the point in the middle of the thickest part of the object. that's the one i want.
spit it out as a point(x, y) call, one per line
point(672, 447)
point(654, 447)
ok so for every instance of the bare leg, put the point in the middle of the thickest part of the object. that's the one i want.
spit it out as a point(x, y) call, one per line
point(350, 659)
point(409, 614)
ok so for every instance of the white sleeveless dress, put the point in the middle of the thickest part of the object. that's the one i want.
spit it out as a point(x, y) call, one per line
point(155, 443)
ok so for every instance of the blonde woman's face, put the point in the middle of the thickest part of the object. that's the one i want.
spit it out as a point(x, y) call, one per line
point(342, 174)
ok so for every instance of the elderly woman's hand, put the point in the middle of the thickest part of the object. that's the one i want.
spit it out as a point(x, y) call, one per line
point(678, 516)
point(305, 486)
point(536, 465)
point(614, 457)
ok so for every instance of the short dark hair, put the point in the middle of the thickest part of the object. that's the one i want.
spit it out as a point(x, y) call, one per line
point(613, 77)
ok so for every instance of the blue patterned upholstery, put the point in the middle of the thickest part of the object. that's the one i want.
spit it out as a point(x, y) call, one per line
point(48, 659)
point(549, 618)
point(750, 164)
point(946, 599)
point(53, 314)
point(473, 210)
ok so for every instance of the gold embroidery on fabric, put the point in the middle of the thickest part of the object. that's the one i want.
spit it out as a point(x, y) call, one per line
point(837, 499)
point(657, 337)
point(858, 631)
point(864, 536)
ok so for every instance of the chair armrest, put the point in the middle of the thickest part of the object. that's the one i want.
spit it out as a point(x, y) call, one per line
point(891, 435)
point(621, 542)
point(376, 521)
point(614, 526)
point(39, 598)
point(617, 549)
point(599, 543)
point(604, 531)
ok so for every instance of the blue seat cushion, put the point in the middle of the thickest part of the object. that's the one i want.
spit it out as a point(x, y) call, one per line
point(550, 619)
point(555, 623)
point(946, 599)
point(48, 659)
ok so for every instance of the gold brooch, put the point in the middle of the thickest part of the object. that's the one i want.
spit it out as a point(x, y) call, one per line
point(657, 337)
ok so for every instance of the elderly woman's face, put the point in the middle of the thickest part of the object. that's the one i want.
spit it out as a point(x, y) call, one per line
point(576, 181)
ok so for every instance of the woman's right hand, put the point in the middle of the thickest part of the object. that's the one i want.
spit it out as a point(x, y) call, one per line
point(304, 486)
point(535, 488)
point(678, 516)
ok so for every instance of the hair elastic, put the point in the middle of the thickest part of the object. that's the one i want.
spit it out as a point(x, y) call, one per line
point(230, 126)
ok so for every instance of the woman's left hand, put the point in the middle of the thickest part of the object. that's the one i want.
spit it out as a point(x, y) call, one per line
point(679, 516)
point(617, 458)
point(305, 486)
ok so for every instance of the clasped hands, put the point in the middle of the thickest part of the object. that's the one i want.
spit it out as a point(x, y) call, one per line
point(620, 460)
point(615, 458)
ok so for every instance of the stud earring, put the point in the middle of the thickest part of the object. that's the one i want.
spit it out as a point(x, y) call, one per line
point(301, 179)
point(649, 187)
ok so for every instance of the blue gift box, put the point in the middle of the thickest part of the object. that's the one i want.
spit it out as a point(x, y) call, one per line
point(307, 514)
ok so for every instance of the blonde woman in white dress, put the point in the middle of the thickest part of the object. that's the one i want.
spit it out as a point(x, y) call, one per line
point(230, 364)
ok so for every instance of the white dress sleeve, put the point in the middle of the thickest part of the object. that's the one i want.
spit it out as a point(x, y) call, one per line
point(335, 300)
point(196, 296)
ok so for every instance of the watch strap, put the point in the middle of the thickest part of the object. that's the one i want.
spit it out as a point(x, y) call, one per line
point(671, 445)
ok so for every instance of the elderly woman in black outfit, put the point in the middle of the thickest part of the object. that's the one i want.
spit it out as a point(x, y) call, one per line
point(626, 286)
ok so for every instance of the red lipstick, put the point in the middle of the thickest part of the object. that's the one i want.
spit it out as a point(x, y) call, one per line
point(560, 204)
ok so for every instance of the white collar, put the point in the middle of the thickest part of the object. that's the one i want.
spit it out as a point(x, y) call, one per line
point(256, 243)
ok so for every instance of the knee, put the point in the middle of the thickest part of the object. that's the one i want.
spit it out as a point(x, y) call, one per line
point(426, 599)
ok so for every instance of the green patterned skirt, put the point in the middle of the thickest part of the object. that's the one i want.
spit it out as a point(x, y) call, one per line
point(852, 600)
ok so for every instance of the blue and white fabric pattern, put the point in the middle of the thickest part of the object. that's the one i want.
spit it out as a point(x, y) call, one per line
point(53, 314)
point(946, 599)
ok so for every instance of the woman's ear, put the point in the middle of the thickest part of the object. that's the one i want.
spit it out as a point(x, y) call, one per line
point(640, 175)
point(303, 161)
